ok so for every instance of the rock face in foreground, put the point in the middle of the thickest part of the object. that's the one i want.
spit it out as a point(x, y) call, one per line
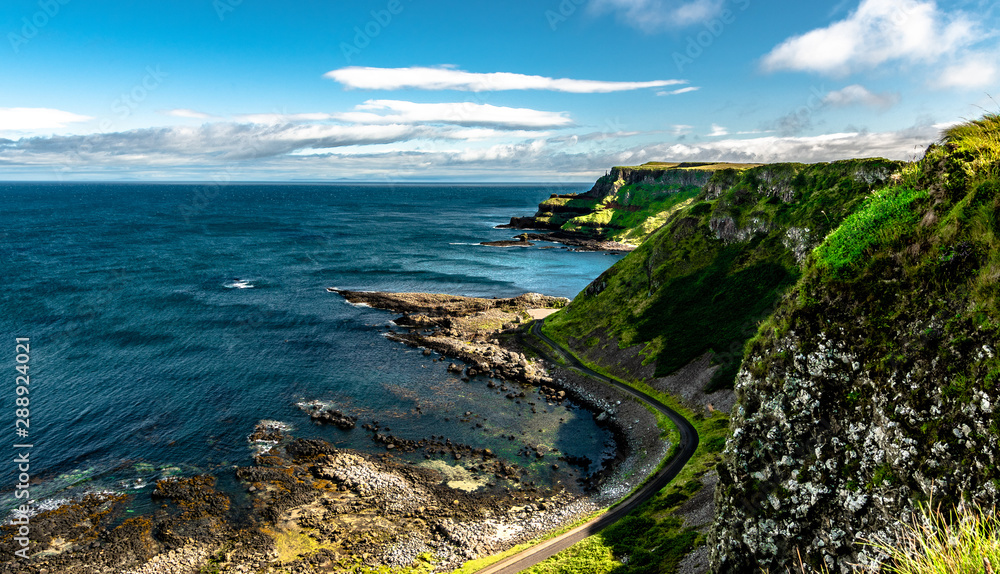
point(875, 385)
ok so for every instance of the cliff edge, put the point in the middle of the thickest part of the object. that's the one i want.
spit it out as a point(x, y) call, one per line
point(874, 386)
point(626, 205)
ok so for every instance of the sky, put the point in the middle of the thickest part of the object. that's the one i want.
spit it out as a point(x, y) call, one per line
point(443, 90)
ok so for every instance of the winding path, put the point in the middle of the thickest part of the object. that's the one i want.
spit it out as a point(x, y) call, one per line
point(688, 444)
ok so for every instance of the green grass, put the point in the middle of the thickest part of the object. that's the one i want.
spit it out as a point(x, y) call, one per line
point(634, 212)
point(646, 208)
point(882, 220)
point(569, 203)
point(684, 292)
point(473, 566)
point(959, 542)
point(979, 141)
point(908, 266)
point(691, 165)
point(637, 209)
point(651, 538)
point(738, 298)
point(598, 218)
point(591, 556)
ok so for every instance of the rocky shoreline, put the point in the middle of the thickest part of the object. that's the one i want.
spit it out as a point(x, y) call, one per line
point(310, 507)
point(487, 336)
point(572, 241)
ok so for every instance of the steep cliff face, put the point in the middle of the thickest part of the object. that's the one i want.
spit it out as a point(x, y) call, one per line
point(875, 384)
point(627, 204)
point(669, 176)
point(715, 268)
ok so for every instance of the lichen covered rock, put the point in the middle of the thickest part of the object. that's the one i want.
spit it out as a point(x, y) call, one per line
point(873, 387)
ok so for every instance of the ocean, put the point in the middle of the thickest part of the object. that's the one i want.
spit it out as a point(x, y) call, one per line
point(166, 320)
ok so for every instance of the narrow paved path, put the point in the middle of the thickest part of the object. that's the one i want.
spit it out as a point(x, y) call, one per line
point(549, 548)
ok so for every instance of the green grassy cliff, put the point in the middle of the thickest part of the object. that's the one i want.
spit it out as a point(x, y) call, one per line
point(627, 204)
point(854, 307)
point(874, 386)
point(716, 265)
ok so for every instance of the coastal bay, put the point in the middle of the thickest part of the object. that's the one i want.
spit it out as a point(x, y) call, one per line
point(224, 317)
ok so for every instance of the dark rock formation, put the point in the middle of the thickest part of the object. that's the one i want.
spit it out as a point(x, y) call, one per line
point(519, 241)
point(335, 418)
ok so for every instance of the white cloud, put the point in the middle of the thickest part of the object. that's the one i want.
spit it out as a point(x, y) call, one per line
point(21, 119)
point(275, 118)
point(681, 129)
point(859, 95)
point(462, 114)
point(381, 112)
point(186, 113)
point(975, 71)
point(906, 144)
point(879, 31)
point(601, 137)
point(419, 78)
point(678, 91)
point(323, 151)
point(210, 142)
point(654, 15)
point(947, 125)
point(531, 158)
point(718, 131)
point(484, 134)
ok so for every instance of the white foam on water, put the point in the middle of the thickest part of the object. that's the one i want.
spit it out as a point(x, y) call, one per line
point(239, 284)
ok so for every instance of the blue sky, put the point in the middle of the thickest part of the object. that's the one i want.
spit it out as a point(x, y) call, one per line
point(540, 90)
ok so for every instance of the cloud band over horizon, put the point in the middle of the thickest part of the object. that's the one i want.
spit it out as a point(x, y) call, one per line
point(425, 78)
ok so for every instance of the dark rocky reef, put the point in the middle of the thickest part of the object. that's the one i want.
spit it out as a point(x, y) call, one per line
point(333, 417)
point(519, 241)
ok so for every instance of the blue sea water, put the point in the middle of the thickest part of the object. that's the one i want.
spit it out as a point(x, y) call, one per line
point(166, 320)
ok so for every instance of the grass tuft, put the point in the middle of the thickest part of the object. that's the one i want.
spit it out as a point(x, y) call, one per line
point(979, 139)
point(964, 541)
point(882, 219)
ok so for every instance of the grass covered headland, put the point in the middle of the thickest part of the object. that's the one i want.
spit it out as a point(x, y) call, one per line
point(720, 261)
point(853, 307)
